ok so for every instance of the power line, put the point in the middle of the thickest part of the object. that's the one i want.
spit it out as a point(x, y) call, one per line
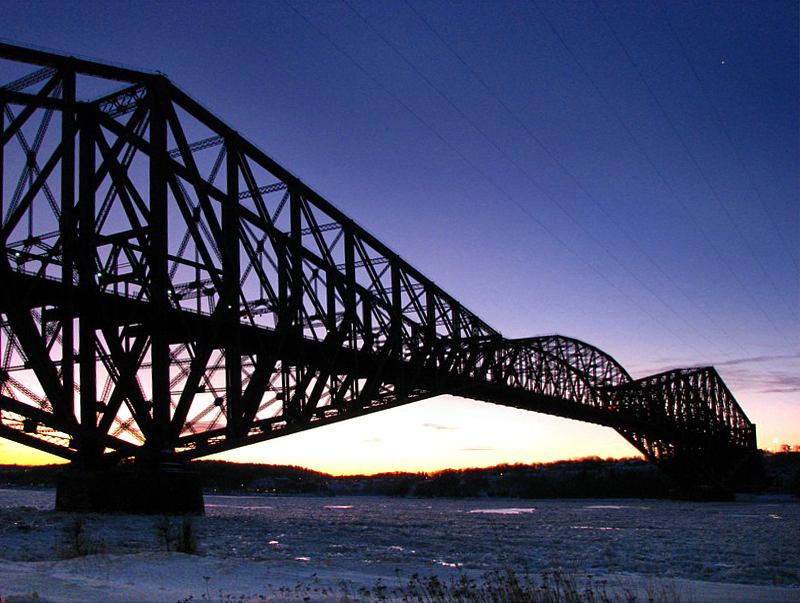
point(735, 149)
point(533, 136)
point(483, 174)
point(647, 157)
point(533, 181)
point(705, 179)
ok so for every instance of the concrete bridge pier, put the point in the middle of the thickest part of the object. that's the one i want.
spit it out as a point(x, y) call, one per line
point(158, 489)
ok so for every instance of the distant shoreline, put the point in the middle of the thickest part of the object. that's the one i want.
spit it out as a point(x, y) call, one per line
point(589, 477)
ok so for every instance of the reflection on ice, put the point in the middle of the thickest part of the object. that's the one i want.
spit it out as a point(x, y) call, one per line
point(510, 511)
point(400, 549)
point(614, 507)
point(230, 502)
point(239, 507)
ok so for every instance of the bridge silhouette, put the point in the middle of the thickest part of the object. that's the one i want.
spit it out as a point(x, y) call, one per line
point(169, 292)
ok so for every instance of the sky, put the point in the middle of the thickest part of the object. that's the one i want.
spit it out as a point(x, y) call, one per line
point(625, 173)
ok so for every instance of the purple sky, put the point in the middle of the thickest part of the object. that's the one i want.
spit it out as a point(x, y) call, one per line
point(625, 173)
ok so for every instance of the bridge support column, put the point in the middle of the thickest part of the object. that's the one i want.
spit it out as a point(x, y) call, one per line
point(161, 489)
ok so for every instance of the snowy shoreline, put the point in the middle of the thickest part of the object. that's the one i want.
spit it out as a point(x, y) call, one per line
point(288, 548)
point(171, 577)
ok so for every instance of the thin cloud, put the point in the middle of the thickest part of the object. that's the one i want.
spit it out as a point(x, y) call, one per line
point(748, 372)
point(769, 382)
point(757, 359)
point(472, 449)
point(661, 365)
point(438, 427)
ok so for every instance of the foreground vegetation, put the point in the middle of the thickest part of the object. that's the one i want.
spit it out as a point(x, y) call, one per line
point(501, 586)
point(172, 534)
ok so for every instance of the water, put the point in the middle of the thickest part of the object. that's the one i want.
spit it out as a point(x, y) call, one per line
point(753, 542)
point(733, 542)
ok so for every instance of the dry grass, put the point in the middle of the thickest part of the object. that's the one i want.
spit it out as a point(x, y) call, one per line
point(76, 542)
point(177, 538)
point(501, 586)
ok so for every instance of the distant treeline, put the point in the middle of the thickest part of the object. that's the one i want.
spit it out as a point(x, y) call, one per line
point(583, 478)
point(590, 477)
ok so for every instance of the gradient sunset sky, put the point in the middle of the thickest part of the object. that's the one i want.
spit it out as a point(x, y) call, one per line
point(625, 173)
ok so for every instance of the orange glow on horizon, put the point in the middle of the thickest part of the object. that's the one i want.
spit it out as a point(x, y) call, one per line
point(12, 453)
point(423, 437)
point(433, 435)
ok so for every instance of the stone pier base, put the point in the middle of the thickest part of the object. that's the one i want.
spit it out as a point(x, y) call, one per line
point(123, 490)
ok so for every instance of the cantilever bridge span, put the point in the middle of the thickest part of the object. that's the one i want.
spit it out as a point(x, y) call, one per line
point(169, 291)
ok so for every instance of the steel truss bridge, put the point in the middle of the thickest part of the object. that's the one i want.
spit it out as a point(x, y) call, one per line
point(169, 291)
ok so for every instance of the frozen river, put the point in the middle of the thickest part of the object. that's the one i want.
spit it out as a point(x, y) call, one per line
point(753, 542)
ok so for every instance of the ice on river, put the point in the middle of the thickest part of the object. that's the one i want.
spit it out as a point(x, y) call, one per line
point(258, 545)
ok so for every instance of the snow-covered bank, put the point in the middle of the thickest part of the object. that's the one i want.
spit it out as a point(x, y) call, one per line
point(252, 546)
point(168, 577)
point(172, 577)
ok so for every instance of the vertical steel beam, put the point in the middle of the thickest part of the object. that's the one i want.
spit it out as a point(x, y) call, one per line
point(159, 268)
point(67, 237)
point(429, 337)
point(349, 321)
point(2, 172)
point(296, 401)
point(87, 282)
point(397, 327)
point(349, 292)
point(230, 294)
point(366, 318)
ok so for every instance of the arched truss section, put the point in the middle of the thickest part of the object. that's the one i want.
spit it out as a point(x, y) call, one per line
point(169, 288)
point(555, 367)
point(596, 367)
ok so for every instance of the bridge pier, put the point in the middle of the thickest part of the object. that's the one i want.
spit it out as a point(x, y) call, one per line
point(163, 489)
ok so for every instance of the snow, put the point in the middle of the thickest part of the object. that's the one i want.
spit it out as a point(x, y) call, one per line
point(253, 546)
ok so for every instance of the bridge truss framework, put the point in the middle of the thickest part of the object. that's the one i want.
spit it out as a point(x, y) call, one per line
point(169, 292)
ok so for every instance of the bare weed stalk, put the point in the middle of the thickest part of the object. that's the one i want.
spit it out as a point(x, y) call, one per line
point(77, 543)
point(177, 538)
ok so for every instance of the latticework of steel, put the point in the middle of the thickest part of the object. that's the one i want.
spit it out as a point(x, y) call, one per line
point(167, 288)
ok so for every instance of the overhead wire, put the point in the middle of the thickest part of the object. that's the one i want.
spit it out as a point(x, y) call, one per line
point(581, 186)
point(526, 173)
point(649, 160)
point(489, 179)
point(639, 146)
point(705, 178)
point(646, 155)
point(789, 252)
